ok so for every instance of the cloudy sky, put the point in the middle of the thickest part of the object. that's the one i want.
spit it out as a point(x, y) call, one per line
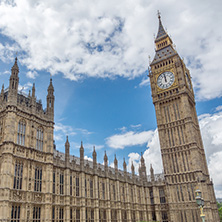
point(97, 53)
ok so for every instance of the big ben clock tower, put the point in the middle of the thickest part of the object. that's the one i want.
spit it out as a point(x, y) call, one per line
point(183, 155)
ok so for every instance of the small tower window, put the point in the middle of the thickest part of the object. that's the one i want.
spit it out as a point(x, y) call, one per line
point(21, 133)
point(39, 139)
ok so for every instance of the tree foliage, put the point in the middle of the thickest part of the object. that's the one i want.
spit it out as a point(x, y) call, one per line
point(219, 205)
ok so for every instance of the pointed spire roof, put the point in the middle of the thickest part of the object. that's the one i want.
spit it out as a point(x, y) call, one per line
point(67, 142)
point(124, 164)
point(50, 88)
point(33, 90)
point(94, 151)
point(2, 92)
point(142, 159)
point(15, 66)
point(105, 158)
point(81, 147)
point(115, 160)
point(132, 168)
point(161, 31)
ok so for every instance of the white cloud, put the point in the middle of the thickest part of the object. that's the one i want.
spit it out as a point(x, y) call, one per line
point(136, 126)
point(133, 158)
point(210, 125)
point(106, 39)
point(219, 108)
point(88, 158)
point(32, 74)
point(120, 141)
point(152, 155)
point(24, 88)
point(145, 82)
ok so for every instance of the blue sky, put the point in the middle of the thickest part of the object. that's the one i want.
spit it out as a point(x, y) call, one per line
point(97, 54)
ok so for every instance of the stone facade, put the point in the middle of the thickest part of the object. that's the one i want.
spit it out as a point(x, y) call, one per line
point(38, 183)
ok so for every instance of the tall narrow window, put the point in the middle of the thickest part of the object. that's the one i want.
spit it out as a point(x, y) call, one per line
point(164, 216)
point(92, 215)
point(139, 197)
point(132, 194)
point(91, 188)
point(15, 214)
point(77, 215)
point(114, 192)
point(21, 133)
point(38, 179)
point(98, 190)
point(36, 214)
point(61, 214)
point(70, 214)
point(70, 186)
point(103, 189)
point(18, 176)
point(162, 196)
point(54, 182)
point(39, 139)
point(53, 214)
point(77, 186)
point(151, 197)
point(123, 194)
point(85, 188)
point(61, 185)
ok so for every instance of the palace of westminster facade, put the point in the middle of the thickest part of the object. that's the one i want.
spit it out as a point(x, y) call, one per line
point(39, 183)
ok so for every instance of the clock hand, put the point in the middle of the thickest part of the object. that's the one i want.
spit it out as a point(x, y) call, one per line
point(165, 78)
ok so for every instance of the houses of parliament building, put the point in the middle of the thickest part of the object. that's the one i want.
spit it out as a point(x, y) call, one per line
point(39, 183)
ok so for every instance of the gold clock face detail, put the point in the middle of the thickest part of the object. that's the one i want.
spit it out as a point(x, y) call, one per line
point(165, 80)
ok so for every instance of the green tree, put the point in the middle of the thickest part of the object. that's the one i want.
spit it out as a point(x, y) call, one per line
point(219, 205)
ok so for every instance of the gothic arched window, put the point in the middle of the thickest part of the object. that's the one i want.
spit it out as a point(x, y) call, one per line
point(21, 133)
point(39, 139)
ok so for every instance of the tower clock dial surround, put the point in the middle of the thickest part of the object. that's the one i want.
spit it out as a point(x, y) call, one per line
point(165, 80)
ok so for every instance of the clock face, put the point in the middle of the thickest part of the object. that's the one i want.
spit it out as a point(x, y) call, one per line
point(165, 80)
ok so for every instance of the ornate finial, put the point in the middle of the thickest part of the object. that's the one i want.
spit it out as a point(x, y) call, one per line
point(67, 140)
point(81, 144)
point(158, 14)
point(124, 164)
point(94, 149)
point(132, 168)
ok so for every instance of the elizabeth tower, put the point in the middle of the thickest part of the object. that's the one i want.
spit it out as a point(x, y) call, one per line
point(183, 155)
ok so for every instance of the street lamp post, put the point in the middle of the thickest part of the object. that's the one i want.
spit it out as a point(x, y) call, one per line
point(200, 203)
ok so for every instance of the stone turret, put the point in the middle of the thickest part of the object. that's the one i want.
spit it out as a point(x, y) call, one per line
point(105, 161)
point(50, 101)
point(2, 94)
point(94, 158)
point(115, 164)
point(67, 152)
point(13, 84)
point(81, 150)
point(151, 173)
point(143, 168)
point(132, 169)
point(124, 165)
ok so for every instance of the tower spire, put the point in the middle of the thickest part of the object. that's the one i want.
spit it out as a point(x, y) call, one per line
point(161, 31)
point(14, 82)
